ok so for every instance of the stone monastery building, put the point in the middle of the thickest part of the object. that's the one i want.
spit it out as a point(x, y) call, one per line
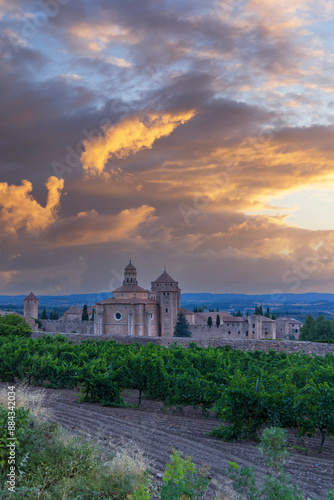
point(135, 311)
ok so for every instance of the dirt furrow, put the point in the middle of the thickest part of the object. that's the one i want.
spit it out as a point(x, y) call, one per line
point(156, 429)
point(159, 445)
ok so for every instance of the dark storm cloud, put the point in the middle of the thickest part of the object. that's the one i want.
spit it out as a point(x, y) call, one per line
point(182, 199)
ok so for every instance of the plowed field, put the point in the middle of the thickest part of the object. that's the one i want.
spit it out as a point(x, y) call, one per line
point(156, 430)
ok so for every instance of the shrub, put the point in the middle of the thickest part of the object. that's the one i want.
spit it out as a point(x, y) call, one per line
point(277, 485)
point(12, 324)
point(181, 480)
point(54, 465)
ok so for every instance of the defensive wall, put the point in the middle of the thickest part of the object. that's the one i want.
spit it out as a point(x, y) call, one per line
point(68, 326)
point(288, 346)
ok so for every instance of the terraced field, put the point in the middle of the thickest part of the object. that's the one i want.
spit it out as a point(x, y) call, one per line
point(156, 430)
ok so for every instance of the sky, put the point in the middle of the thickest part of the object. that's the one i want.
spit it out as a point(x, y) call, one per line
point(196, 135)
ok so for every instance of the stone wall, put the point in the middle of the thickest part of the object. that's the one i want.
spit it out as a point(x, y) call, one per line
point(287, 346)
point(66, 326)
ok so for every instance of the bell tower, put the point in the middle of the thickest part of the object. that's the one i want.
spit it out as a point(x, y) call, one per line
point(130, 275)
point(169, 299)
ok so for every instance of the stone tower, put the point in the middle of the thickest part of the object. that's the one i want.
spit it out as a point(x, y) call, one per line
point(31, 306)
point(169, 298)
point(130, 275)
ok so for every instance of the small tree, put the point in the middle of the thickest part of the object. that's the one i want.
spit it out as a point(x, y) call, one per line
point(218, 321)
point(209, 322)
point(84, 315)
point(44, 315)
point(258, 310)
point(277, 485)
point(52, 315)
point(267, 314)
point(93, 315)
point(182, 326)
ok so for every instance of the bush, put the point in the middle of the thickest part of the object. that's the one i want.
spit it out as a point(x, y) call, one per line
point(181, 480)
point(11, 324)
point(54, 465)
point(277, 485)
point(7, 422)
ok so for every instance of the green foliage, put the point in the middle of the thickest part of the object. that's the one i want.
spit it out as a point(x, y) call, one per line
point(247, 390)
point(209, 321)
point(53, 465)
point(182, 480)
point(11, 324)
point(141, 493)
point(217, 321)
point(44, 315)
point(182, 326)
point(93, 315)
point(258, 310)
point(10, 423)
point(277, 485)
point(199, 309)
point(84, 315)
point(237, 314)
point(39, 323)
point(317, 330)
point(267, 314)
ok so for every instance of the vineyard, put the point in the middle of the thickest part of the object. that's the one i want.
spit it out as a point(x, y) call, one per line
point(245, 390)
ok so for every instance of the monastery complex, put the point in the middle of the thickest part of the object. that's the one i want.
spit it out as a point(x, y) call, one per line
point(137, 312)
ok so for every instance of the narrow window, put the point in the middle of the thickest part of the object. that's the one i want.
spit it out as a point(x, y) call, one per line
point(166, 310)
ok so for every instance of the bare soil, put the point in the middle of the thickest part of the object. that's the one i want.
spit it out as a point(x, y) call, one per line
point(157, 430)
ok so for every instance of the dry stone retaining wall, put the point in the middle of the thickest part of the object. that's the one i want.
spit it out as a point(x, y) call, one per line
point(288, 346)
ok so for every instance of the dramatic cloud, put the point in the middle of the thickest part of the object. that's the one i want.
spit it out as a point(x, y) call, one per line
point(18, 208)
point(197, 135)
point(91, 228)
point(128, 137)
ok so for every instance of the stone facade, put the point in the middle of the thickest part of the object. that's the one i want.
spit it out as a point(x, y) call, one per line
point(31, 306)
point(244, 327)
point(74, 313)
point(288, 328)
point(169, 299)
point(135, 312)
point(68, 326)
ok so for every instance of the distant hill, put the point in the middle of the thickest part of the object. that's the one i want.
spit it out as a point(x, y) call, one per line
point(57, 300)
point(284, 298)
point(294, 305)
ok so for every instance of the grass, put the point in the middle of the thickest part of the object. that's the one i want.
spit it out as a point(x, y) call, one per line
point(53, 464)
